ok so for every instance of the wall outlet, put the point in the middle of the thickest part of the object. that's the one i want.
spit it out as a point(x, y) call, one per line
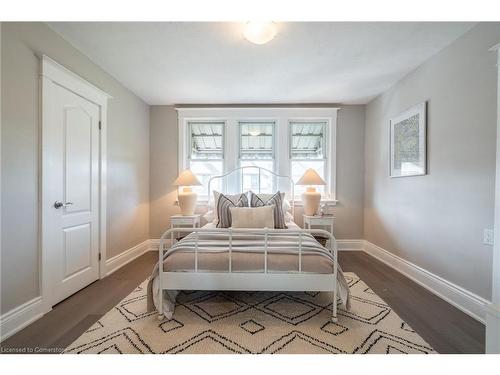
point(488, 236)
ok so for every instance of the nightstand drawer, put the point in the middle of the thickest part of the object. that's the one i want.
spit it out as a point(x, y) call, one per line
point(320, 221)
point(182, 221)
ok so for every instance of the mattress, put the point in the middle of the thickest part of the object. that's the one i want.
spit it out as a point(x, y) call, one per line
point(284, 259)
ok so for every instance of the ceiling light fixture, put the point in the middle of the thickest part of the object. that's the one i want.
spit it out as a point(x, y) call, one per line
point(260, 32)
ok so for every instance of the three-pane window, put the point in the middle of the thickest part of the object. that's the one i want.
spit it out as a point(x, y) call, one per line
point(286, 141)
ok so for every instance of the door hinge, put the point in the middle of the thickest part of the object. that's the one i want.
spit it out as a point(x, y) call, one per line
point(99, 256)
point(100, 125)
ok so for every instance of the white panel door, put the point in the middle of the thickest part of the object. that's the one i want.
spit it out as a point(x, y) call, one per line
point(70, 190)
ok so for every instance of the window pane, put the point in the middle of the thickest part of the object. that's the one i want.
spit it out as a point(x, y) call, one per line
point(256, 140)
point(206, 140)
point(308, 140)
point(251, 176)
point(299, 168)
point(204, 170)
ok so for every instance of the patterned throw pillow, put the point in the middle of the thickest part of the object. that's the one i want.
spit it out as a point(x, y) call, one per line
point(223, 212)
point(276, 200)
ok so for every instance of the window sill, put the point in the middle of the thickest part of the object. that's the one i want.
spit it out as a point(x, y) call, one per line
point(298, 202)
point(327, 201)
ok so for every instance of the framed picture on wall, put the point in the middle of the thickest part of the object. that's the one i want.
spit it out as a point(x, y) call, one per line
point(408, 142)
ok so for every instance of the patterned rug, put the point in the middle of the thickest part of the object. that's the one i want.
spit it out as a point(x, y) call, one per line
point(253, 322)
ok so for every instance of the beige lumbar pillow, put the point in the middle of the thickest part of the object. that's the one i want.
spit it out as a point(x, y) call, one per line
point(252, 217)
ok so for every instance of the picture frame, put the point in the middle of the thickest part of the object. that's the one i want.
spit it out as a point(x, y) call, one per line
point(408, 142)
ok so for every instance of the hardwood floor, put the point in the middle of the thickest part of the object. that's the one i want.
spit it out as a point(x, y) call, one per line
point(443, 326)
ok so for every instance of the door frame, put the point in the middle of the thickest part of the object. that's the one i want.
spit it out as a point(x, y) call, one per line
point(493, 310)
point(53, 73)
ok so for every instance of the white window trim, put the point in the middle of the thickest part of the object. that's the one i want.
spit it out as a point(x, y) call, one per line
point(282, 116)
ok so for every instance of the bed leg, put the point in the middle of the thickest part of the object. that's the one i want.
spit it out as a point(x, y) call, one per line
point(334, 312)
point(334, 307)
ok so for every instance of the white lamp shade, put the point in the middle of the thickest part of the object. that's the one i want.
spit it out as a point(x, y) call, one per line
point(187, 178)
point(311, 177)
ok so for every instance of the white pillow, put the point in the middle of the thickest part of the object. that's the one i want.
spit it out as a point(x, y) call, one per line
point(288, 217)
point(252, 217)
point(286, 205)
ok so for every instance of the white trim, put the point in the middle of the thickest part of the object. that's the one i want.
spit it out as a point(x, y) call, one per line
point(494, 310)
point(493, 329)
point(103, 231)
point(118, 261)
point(350, 245)
point(464, 300)
point(496, 47)
point(66, 78)
point(296, 202)
point(53, 73)
point(154, 244)
point(21, 316)
point(493, 320)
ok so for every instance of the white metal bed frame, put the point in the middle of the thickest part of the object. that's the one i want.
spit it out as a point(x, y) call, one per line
point(251, 281)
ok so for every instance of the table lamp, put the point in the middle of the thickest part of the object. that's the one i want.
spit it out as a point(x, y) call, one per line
point(311, 198)
point(187, 198)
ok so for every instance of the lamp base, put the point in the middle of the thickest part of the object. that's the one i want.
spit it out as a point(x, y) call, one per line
point(187, 202)
point(311, 200)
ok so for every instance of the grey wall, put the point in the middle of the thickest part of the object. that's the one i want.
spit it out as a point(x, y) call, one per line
point(164, 167)
point(128, 156)
point(436, 221)
point(350, 172)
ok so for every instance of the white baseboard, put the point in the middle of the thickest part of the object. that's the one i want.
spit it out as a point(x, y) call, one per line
point(118, 261)
point(466, 301)
point(350, 245)
point(155, 243)
point(21, 316)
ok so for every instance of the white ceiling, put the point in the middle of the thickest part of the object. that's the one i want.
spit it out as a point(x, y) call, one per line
point(211, 63)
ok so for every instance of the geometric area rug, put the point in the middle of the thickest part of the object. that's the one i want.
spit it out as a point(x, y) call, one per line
point(207, 322)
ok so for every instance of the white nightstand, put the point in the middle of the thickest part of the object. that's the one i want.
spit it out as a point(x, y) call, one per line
point(319, 221)
point(180, 221)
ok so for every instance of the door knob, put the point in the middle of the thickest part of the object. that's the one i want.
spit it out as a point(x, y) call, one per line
point(61, 204)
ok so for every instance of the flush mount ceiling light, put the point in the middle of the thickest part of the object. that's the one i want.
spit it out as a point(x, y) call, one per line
point(259, 32)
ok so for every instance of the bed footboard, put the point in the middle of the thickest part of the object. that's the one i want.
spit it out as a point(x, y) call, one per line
point(296, 280)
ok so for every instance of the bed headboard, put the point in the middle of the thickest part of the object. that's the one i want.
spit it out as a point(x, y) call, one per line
point(279, 181)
